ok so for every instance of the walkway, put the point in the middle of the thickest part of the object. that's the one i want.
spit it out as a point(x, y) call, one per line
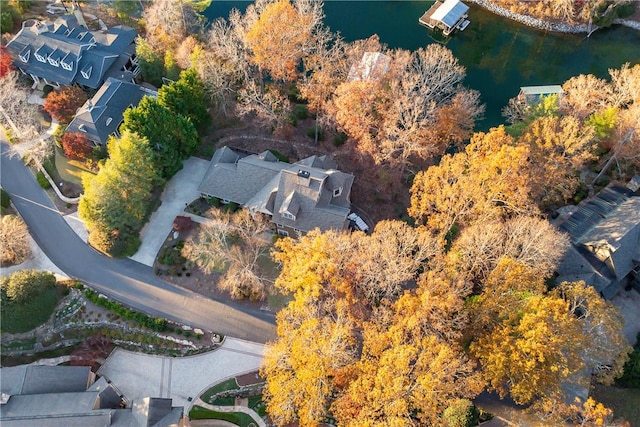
point(181, 190)
point(244, 409)
point(182, 379)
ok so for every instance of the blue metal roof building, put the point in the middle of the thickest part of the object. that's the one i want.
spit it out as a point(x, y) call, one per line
point(65, 52)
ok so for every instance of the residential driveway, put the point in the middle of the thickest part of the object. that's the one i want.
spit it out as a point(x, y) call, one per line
point(139, 375)
point(629, 304)
point(180, 190)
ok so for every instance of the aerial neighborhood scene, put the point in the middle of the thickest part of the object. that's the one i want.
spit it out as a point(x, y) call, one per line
point(308, 213)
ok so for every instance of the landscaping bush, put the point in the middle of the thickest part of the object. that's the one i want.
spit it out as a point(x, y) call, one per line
point(280, 156)
point(25, 284)
point(5, 200)
point(631, 374)
point(340, 138)
point(461, 413)
point(42, 180)
point(311, 133)
point(154, 323)
point(301, 111)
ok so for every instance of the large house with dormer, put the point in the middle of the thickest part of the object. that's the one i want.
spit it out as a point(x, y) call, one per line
point(65, 53)
point(101, 116)
point(605, 241)
point(298, 197)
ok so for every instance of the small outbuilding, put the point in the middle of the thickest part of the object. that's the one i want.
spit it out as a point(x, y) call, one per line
point(533, 94)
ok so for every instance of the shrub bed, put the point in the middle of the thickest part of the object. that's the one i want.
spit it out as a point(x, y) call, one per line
point(154, 323)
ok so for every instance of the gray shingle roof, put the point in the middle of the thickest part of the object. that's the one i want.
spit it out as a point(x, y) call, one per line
point(33, 379)
point(605, 236)
point(101, 116)
point(261, 183)
point(50, 405)
point(95, 53)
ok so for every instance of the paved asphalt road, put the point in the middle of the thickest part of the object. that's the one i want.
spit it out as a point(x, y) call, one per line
point(124, 280)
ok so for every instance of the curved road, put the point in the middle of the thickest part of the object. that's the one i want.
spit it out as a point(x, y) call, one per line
point(124, 280)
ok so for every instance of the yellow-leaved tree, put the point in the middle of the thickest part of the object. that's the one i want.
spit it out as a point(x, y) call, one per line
point(278, 37)
point(488, 181)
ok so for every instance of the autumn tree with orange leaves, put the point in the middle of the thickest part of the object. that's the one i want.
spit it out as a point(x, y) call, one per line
point(62, 104)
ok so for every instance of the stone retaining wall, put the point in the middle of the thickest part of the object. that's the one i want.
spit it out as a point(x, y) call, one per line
point(561, 27)
point(531, 21)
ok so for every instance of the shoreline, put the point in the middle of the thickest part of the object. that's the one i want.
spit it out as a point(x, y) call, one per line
point(545, 25)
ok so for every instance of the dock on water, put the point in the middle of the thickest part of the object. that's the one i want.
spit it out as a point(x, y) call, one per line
point(447, 16)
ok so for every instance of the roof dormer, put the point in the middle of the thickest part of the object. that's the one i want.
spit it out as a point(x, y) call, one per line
point(86, 73)
point(25, 53)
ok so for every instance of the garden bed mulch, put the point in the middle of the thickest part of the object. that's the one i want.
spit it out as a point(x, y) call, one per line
point(192, 278)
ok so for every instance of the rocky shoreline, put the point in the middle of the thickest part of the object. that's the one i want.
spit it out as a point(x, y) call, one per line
point(544, 25)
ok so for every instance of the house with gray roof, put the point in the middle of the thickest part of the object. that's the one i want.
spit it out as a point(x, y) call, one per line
point(101, 116)
point(298, 197)
point(69, 396)
point(605, 242)
point(64, 52)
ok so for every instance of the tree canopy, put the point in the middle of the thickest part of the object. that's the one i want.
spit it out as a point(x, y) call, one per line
point(116, 201)
point(172, 137)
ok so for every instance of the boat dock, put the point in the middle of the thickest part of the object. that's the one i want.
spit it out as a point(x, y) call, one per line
point(448, 16)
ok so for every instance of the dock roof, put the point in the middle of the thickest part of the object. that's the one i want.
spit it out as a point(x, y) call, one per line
point(540, 90)
point(450, 12)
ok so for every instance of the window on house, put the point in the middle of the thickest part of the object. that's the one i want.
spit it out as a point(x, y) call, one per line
point(52, 62)
point(41, 58)
point(337, 192)
point(25, 56)
point(109, 120)
point(289, 216)
point(82, 128)
point(86, 73)
point(66, 66)
point(283, 233)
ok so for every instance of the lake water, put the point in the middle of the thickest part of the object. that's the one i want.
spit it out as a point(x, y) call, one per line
point(500, 55)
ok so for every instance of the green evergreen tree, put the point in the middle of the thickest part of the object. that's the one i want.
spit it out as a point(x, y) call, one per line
point(187, 97)
point(172, 137)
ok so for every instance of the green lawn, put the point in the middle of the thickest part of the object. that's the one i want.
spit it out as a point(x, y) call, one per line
point(623, 402)
point(237, 418)
point(256, 403)
point(24, 317)
point(69, 170)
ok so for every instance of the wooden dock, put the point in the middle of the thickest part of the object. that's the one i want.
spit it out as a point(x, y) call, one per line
point(425, 19)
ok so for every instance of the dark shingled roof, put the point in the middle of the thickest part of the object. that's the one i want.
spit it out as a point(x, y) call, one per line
point(101, 115)
point(70, 52)
point(33, 379)
point(312, 189)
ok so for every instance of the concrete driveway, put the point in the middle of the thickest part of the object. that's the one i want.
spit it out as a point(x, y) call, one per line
point(181, 190)
point(139, 375)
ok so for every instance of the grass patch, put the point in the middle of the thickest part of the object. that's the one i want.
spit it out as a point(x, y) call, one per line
point(237, 418)
point(256, 403)
point(229, 384)
point(42, 180)
point(269, 268)
point(69, 170)
point(18, 318)
point(623, 402)
point(278, 301)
